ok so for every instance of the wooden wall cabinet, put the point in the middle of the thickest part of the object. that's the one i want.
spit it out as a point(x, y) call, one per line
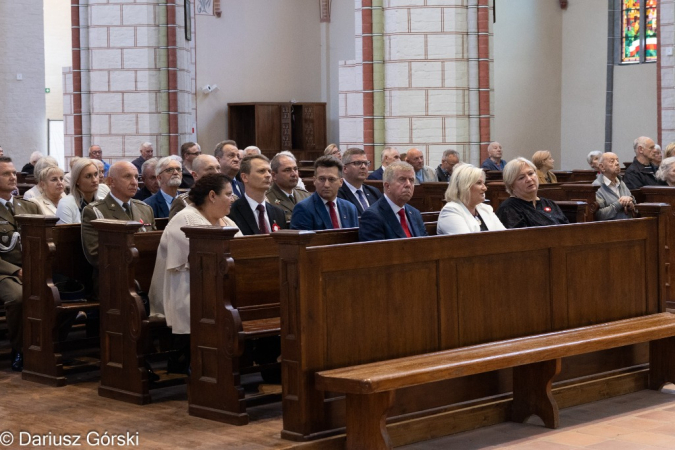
point(273, 127)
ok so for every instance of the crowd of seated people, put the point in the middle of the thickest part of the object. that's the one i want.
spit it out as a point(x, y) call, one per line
point(244, 189)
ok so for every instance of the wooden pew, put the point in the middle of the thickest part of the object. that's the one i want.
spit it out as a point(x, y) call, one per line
point(127, 257)
point(535, 360)
point(49, 249)
point(360, 303)
point(234, 297)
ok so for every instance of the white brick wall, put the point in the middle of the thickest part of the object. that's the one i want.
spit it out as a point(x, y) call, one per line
point(23, 125)
point(121, 53)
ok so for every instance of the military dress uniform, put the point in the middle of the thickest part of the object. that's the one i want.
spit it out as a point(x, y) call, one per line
point(11, 291)
point(108, 208)
point(279, 198)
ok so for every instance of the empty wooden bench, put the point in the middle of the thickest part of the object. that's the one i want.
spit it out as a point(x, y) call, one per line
point(536, 360)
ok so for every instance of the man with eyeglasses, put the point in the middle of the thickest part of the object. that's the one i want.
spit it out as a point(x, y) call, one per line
point(169, 174)
point(201, 166)
point(95, 152)
point(189, 151)
point(119, 204)
point(355, 172)
point(323, 210)
point(285, 192)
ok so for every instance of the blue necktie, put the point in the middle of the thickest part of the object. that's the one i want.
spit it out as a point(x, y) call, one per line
point(362, 199)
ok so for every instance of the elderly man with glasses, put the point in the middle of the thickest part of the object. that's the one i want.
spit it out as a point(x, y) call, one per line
point(169, 174)
point(355, 172)
point(323, 210)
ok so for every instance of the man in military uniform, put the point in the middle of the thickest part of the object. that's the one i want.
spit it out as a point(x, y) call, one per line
point(285, 192)
point(201, 165)
point(11, 291)
point(119, 204)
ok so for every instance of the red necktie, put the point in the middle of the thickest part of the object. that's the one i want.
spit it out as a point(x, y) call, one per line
point(262, 223)
point(404, 222)
point(333, 216)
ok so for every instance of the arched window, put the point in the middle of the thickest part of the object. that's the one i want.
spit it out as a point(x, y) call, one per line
point(638, 31)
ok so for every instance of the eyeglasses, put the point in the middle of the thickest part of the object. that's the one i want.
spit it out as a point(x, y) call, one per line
point(172, 169)
point(330, 180)
point(359, 163)
point(193, 154)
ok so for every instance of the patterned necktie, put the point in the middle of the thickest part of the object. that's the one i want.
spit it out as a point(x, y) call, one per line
point(333, 216)
point(262, 223)
point(404, 222)
point(362, 199)
point(127, 209)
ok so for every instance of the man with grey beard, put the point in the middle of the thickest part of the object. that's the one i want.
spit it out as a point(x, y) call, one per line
point(169, 174)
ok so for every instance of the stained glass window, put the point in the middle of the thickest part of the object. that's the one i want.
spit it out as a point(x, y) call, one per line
point(639, 31)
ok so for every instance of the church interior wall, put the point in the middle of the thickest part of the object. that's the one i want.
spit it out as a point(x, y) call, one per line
point(58, 53)
point(584, 81)
point(23, 128)
point(257, 51)
point(528, 77)
point(634, 107)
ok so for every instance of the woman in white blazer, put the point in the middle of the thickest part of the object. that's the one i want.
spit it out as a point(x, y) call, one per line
point(465, 211)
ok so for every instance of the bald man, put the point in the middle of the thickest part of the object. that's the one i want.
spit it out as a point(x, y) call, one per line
point(423, 174)
point(494, 161)
point(613, 196)
point(118, 204)
point(641, 171)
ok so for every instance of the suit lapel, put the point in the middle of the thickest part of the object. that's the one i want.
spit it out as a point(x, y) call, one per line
point(321, 210)
point(391, 219)
point(352, 198)
point(248, 216)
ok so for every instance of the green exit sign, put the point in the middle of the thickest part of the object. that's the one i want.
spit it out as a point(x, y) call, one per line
point(47, 90)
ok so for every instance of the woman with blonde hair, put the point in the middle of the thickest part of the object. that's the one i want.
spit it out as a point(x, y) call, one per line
point(333, 150)
point(465, 211)
point(84, 186)
point(543, 161)
point(50, 182)
point(525, 208)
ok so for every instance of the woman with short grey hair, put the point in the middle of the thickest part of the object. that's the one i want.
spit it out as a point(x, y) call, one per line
point(525, 208)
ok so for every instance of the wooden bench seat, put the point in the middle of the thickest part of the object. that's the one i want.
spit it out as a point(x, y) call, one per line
point(535, 359)
point(261, 328)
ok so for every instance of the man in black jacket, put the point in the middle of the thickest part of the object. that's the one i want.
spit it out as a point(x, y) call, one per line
point(641, 171)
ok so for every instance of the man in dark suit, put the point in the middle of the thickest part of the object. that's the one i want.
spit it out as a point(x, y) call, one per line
point(227, 154)
point(169, 173)
point(150, 183)
point(251, 213)
point(11, 274)
point(390, 217)
point(188, 151)
point(323, 210)
point(146, 151)
point(389, 155)
point(355, 172)
point(285, 192)
point(448, 163)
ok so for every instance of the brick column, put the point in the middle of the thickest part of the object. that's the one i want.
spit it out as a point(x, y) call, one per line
point(136, 74)
point(428, 83)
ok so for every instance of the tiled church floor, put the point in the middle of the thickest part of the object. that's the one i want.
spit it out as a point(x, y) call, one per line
point(642, 420)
